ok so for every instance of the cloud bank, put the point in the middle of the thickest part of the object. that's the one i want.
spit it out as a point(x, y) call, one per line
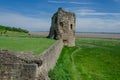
point(92, 12)
point(97, 25)
point(99, 22)
point(30, 23)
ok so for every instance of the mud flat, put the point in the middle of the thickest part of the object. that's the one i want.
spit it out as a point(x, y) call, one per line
point(98, 35)
point(39, 34)
point(91, 35)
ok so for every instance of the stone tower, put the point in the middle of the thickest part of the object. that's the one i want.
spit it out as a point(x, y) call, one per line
point(63, 27)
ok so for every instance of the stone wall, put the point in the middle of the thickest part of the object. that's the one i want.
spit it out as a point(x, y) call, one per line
point(49, 58)
point(25, 66)
point(18, 72)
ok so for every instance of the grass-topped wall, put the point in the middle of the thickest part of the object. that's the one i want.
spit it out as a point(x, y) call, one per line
point(36, 45)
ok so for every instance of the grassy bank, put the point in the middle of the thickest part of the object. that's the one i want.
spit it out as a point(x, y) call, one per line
point(91, 59)
point(15, 34)
point(13, 31)
point(36, 45)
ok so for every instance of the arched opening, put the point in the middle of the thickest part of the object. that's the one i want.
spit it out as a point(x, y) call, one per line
point(55, 34)
point(61, 24)
point(71, 26)
point(65, 42)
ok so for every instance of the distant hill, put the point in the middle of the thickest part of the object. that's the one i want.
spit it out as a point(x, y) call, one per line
point(12, 31)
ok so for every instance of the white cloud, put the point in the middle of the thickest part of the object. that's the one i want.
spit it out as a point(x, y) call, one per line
point(99, 14)
point(69, 2)
point(17, 20)
point(92, 12)
point(98, 25)
point(52, 1)
point(73, 2)
point(117, 0)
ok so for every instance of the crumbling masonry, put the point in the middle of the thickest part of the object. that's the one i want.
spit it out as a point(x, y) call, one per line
point(63, 27)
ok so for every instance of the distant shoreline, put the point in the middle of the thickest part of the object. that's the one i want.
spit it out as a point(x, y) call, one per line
point(87, 32)
point(82, 34)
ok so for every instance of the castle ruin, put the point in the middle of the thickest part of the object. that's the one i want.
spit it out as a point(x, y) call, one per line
point(63, 27)
point(26, 66)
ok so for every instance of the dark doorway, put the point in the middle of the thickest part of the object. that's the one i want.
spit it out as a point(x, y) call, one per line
point(71, 26)
point(65, 42)
point(55, 34)
point(61, 24)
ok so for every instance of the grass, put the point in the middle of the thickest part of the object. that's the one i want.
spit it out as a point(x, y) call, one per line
point(36, 45)
point(62, 70)
point(91, 59)
point(14, 34)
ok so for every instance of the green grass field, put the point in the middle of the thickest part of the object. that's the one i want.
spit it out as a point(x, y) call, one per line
point(36, 45)
point(91, 59)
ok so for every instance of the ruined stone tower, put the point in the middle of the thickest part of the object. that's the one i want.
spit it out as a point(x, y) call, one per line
point(63, 27)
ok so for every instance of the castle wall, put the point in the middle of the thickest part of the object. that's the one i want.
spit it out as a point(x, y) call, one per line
point(14, 68)
point(49, 58)
point(18, 71)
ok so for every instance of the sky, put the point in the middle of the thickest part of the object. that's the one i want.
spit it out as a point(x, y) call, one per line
point(35, 15)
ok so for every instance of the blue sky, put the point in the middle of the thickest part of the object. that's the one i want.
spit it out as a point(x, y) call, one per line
point(35, 15)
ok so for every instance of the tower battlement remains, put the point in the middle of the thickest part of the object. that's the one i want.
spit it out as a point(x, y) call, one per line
point(63, 27)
